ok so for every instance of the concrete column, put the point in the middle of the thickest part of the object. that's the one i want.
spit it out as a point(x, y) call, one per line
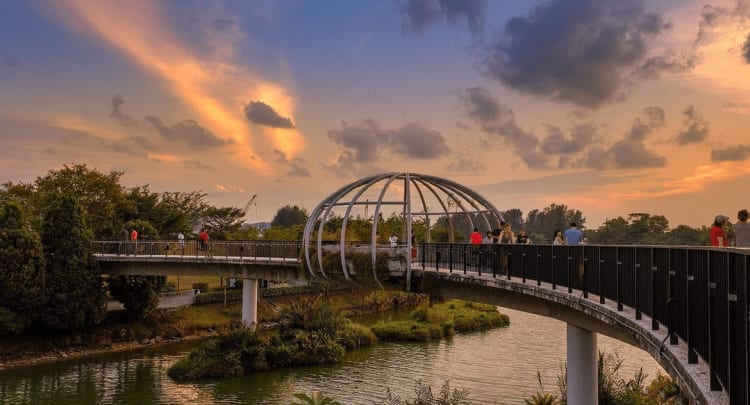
point(582, 367)
point(250, 302)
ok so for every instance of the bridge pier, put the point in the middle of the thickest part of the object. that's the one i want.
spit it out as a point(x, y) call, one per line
point(582, 376)
point(250, 302)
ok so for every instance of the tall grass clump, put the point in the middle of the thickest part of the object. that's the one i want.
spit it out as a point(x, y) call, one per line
point(441, 320)
point(614, 390)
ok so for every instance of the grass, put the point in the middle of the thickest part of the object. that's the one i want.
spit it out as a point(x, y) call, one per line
point(441, 320)
point(205, 316)
point(186, 282)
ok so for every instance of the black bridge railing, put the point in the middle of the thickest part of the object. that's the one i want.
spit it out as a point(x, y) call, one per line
point(699, 294)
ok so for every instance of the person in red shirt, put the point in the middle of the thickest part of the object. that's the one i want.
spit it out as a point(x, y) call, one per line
point(718, 236)
point(476, 237)
point(134, 240)
point(203, 236)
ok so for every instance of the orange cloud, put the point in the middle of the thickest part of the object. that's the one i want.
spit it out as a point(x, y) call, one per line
point(693, 183)
point(136, 29)
point(228, 189)
point(163, 158)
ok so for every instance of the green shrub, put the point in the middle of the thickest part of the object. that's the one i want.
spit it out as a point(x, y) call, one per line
point(354, 336)
point(406, 331)
point(311, 333)
point(202, 287)
point(210, 360)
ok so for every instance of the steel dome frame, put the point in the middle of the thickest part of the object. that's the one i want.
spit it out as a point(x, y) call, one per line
point(446, 192)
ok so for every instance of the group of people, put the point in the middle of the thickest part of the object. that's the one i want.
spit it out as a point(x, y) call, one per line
point(502, 235)
point(571, 236)
point(203, 239)
point(722, 231)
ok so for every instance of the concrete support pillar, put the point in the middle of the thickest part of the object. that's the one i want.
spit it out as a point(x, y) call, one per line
point(582, 367)
point(250, 302)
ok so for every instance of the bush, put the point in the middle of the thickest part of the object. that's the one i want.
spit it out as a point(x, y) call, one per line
point(169, 286)
point(210, 360)
point(406, 331)
point(310, 334)
point(202, 287)
point(355, 336)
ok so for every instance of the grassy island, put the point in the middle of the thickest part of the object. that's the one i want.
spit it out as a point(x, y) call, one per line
point(312, 332)
point(441, 320)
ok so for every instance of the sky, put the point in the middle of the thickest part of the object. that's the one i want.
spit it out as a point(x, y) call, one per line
point(611, 107)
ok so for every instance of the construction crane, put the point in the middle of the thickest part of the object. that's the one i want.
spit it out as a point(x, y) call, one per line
point(249, 204)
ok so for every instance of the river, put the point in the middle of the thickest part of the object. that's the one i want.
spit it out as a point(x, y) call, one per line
point(496, 367)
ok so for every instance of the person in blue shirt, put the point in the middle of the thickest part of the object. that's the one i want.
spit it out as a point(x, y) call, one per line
point(572, 235)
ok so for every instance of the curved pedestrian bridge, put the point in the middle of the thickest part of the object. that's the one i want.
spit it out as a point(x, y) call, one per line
point(687, 307)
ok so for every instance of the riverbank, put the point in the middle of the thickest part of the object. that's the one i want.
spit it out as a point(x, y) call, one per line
point(168, 326)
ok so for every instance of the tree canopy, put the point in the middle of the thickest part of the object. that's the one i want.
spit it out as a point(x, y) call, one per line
point(76, 291)
point(21, 271)
point(288, 216)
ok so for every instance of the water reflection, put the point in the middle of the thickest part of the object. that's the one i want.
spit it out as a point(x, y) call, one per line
point(497, 367)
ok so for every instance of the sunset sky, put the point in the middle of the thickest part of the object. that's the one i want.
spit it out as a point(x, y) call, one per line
point(608, 106)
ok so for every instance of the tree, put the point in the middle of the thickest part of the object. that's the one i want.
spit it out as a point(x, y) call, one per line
point(541, 225)
point(222, 223)
point(77, 297)
point(514, 217)
point(139, 294)
point(100, 196)
point(168, 213)
point(288, 216)
point(646, 229)
point(21, 271)
point(685, 235)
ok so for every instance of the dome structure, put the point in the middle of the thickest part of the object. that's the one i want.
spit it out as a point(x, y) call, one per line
point(380, 201)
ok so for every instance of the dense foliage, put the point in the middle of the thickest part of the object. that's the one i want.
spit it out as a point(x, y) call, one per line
point(139, 294)
point(311, 332)
point(21, 271)
point(288, 216)
point(75, 289)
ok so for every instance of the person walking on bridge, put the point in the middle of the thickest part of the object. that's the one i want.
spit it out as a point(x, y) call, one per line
point(742, 230)
point(134, 241)
point(181, 242)
point(475, 238)
point(573, 236)
point(203, 236)
point(718, 236)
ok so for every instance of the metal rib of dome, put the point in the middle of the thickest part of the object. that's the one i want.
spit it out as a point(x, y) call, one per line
point(409, 196)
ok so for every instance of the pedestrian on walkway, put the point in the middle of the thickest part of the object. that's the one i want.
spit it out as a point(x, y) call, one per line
point(181, 242)
point(134, 241)
point(718, 236)
point(203, 236)
point(573, 236)
point(742, 230)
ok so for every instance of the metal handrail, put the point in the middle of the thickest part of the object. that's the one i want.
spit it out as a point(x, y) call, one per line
point(286, 251)
point(700, 294)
